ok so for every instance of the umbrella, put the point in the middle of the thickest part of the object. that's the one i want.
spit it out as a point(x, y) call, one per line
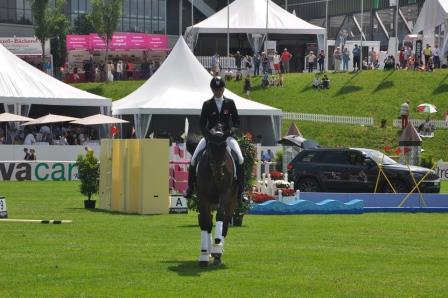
point(298, 141)
point(50, 118)
point(98, 119)
point(426, 108)
point(8, 117)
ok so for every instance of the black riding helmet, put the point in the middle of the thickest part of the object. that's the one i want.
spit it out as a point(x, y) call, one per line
point(217, 83)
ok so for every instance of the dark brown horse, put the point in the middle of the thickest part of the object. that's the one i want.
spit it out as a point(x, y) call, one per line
point(216, 189)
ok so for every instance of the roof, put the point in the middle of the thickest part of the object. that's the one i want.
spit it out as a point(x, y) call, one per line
point(179, 87)
point(432, 14)
point(249, 16)
point(410, 136)
point(21, 82)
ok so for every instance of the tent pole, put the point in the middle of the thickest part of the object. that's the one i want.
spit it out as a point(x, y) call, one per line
point(192, 10)
point(267, 13)
point(228, 31)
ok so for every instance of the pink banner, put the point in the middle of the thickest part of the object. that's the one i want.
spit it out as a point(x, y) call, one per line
point(120, 42)
point(78, 42)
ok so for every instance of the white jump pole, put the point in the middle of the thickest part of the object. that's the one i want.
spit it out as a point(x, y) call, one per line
point(41, 221)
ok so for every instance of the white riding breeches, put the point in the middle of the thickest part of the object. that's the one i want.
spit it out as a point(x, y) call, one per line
point(232, 144)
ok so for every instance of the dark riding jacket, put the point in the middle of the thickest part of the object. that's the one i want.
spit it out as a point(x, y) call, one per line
point(210, 116)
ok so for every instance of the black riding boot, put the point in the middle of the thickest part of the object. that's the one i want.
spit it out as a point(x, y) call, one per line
point(191, 181)
point(241, 181)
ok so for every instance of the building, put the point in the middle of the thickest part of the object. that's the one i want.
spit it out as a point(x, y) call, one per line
point(171, 17)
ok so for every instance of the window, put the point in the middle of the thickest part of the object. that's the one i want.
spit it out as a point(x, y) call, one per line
point(334, 157)
point(309, 157)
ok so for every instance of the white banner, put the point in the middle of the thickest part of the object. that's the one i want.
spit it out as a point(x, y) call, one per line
point(38, 171)
point(24, 45)
point(442, 170)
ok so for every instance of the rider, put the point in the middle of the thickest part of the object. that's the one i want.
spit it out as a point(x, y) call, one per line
point(218, 109)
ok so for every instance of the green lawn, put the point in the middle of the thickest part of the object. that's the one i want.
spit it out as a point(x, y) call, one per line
point(374, 94)
point(105, 254)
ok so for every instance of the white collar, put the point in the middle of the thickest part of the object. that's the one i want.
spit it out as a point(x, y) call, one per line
point(218, 98)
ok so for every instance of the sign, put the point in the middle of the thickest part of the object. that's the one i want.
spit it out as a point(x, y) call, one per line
point(178, 204)
point(124, 41)
point(442, 170)
point(38, 171)
point(24, 45)
point(3, 211)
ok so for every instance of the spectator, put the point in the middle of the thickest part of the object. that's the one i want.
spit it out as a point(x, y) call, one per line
point(373, 57)
point(337, 55)
point(276, 61)
point(325, 82)
point(29, 139)
point(32, 155)
point(436, 57)
point(404, 114)
point(265, 62)
point(120, 70)
point(257, 60)
point(265, 80)
point(427, 52)
point(247, 85)
point(238, 60)
point(310, 58)
point(27, 154)
point(317, 83)
point(345, 59)
point(426, 128)
point(321, 60)
point(356, 58)
point(401, 59)
point(216, 64)
point(286, 57)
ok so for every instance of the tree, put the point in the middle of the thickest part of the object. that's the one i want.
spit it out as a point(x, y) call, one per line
point(104, 16)
point(48, 22)
point(83, 24)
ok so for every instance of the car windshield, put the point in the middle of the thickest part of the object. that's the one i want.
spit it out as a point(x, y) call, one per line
point(378, 157)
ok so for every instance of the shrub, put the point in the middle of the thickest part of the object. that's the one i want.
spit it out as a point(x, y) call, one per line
point(88, 173)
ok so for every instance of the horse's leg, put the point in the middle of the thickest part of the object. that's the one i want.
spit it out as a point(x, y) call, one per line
point(218, 246)
point(205, 224)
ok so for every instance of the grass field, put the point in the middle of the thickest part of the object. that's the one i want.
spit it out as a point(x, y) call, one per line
point(105, 254)
point(374, 94)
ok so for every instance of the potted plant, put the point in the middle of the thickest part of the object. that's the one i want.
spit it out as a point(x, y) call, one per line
point(88, 174)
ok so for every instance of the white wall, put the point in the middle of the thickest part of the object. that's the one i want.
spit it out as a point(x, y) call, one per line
point(45, 152)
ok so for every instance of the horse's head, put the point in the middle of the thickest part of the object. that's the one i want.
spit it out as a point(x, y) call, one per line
point(216, 151)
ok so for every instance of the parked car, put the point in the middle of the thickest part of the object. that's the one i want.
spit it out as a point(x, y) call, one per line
point(356, 170)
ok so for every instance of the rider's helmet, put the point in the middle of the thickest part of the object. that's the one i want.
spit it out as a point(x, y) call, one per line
point(217, 83)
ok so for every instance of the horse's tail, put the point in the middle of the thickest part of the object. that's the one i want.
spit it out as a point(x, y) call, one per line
point(192, 142)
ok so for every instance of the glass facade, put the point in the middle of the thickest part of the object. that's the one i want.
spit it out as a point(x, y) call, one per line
point(15, 11)
point(148, 16)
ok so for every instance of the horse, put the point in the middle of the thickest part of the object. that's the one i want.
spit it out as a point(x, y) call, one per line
point(217, 189)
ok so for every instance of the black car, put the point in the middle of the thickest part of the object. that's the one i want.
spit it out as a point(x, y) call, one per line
point(356, 170)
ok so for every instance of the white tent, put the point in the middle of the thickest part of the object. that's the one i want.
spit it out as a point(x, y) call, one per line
point(22, 86)
point(433, 13)
point(178, 89)
point(250, 17)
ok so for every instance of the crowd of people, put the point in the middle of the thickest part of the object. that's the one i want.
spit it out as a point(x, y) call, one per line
point(58, 135)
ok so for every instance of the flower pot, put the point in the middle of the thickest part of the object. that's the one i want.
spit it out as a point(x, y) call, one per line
point(237, 220)
point(89, 204)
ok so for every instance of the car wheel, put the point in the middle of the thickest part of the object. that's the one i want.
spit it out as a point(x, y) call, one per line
point(308, 185)
point(399, 186)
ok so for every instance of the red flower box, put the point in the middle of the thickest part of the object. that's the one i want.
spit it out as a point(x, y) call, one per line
point(260, 197)
point(287, 192)
point(276, 175)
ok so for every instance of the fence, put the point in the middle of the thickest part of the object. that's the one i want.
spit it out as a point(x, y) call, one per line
point(224, 62)
point(367, 121)
point(416, 122)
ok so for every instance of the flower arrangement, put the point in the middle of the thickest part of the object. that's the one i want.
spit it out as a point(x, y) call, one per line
point(276, 175)
point(287, 192)
point(281, 184)
point(259, 197)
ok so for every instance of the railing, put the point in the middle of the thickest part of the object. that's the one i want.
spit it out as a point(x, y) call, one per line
point(224, 62)
point(367, 121)
point(416, 122)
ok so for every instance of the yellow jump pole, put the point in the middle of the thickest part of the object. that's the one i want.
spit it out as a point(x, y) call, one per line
point(421, 180)
point(41, 221)
point(418, 188)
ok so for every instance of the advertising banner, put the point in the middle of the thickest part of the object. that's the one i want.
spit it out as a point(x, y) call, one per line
point(442, 170)
point(38, 171)
point(120, 42)
point(78, 42)
point(24, 45)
